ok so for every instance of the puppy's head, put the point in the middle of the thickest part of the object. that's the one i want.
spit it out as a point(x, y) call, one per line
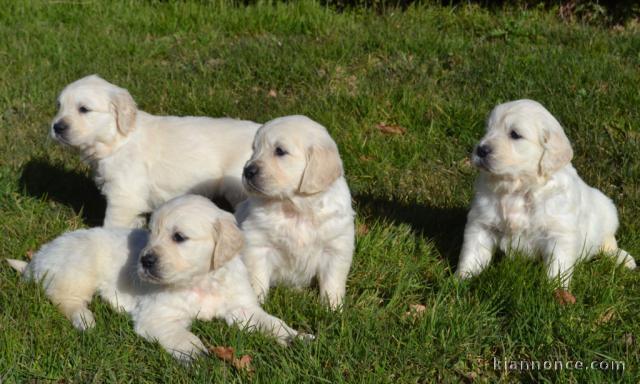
point(189, 237)
point(292, 155)
point(522, 139)
point(93, 114)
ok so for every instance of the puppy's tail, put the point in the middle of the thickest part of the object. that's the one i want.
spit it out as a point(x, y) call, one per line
point(18, 265)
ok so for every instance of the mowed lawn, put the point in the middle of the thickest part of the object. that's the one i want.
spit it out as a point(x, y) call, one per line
point(429, 75)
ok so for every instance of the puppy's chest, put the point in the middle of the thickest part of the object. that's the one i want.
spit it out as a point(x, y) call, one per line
point(296, 236)
point(517, 216)
point(204, 302)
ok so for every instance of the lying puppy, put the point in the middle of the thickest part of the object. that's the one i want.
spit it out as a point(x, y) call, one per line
point(529, 197)
point(187, 268)
point(298, 222)
point(140, 160)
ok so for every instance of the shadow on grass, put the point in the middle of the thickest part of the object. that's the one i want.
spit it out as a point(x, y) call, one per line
point(443, 226)
point(47, 181)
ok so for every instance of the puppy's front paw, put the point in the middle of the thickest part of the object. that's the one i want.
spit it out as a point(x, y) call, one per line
point(83, 320)
point(187, 349)
point(305, 337)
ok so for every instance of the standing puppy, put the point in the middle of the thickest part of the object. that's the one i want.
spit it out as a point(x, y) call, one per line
point(141, 160)
point(298, 222)
point(187, 268)
point(529, 197)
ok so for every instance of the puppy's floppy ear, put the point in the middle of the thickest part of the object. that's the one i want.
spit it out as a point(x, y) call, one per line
point(125, 110)
point(323, 168)
point(557, 149)
point(229, 241)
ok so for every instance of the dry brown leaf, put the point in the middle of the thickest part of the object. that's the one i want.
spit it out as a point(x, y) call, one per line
point(224, 353)
point(390, 129)
point(362, 229)
point(228, 355)
point(243, 364)
point(564, 297)
point(606, 316)
point(628, 339)
point(272, 93)
point(29, 254)
point(415, 311)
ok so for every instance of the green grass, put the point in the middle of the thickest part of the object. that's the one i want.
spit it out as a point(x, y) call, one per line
point(435, 71)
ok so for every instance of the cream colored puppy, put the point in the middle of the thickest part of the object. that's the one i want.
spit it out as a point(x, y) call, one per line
point(141, 160)
point(187, 268)
point(529, 197)
point(298, 222)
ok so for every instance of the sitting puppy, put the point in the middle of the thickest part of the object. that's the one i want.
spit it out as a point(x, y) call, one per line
point(140, 160)
point(187, 268)
point(298, 222)
point(529, 197)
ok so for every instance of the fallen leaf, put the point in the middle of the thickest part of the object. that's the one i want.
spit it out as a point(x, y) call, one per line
point(391, 129)
point(362, 229)
point(224, 353)
point(29, 254)
point(628, 339)
point(365, 158)
point(228, 355)
point(243, 364)
point(564, 297)
point(272, 93)
point(415, 311)
point(606, 316)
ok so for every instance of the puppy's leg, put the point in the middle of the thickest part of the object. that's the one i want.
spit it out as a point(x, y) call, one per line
point(255, 318)
point(332, 279)
point(610, 248)
point(258, 262)
point(72, 297)
point(124, 215)
point(170, 332)
point(560, 257)
point(477, 250)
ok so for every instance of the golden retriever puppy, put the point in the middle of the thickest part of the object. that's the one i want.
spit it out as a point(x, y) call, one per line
point(141, 160)
point(187, 268)
point(529, 197)
point(298, 222)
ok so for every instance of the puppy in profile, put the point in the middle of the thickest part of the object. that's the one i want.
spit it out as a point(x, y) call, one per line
point(298, 222)
point(529, 197)
point(187, 268)
point(140, 160)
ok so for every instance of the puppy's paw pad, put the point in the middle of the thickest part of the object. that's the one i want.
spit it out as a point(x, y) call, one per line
point(83, 320)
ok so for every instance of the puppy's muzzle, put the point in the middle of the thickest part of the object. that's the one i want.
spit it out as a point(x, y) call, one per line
point(250, 171)
point(60, 127)
point(482, 151)
point(148, 260)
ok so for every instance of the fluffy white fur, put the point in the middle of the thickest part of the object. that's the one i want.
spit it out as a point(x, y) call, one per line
point(141, 160)
point(192, 271)
point(529, 197)
point(298, 222)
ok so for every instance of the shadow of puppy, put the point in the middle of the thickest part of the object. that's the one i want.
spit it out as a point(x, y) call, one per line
point(50, 182)
point(443, 226)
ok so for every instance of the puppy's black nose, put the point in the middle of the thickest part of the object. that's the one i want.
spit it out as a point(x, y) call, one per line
point(250, 171)
point(148, 260)
point(483, 151)
point(60, 127)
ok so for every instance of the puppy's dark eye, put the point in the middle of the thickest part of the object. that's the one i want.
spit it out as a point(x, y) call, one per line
point(280, 152)
point(178, 237)
point(515, 135)
point(57, 105)
point(83, 109)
